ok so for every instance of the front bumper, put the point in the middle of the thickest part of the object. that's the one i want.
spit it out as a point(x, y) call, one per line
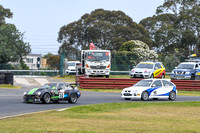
point(97, 72)
point(130, 95)
point(180, 76)
point(31, 98)
point(141, 75)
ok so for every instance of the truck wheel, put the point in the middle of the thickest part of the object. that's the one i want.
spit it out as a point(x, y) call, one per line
point(73, 98)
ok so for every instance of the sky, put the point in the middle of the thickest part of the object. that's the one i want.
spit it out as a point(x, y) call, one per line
point(41, 20)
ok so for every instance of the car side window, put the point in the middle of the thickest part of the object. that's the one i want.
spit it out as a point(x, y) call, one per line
point(68, 87)
point(167, 83)
point(61, 86)
point(157, 83)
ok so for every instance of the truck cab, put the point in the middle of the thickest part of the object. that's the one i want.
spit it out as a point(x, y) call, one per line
point(96, 62)
point(186, 70)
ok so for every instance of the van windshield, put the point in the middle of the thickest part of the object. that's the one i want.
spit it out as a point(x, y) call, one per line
point(147, 66)
point(71, 63)
point(98, 56)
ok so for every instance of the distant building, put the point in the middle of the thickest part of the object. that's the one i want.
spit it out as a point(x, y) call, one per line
point(31, 60)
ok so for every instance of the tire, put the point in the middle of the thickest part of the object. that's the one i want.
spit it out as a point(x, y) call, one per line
point(163, 76)
point(145, 96)
point(192, 77)
point(172, 95)
point(73, 98)
point(151, 76)
point(46, 98)
point(127, 98)
point(107, 76)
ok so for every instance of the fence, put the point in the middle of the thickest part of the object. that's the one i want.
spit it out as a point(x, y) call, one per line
point(116, 83)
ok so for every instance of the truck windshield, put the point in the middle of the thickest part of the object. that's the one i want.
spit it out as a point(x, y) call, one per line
point(98, 56)
point(147, 66)
point(185, 66)
point(144, 83)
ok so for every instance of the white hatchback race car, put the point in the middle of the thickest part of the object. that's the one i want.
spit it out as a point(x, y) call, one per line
point(150, 89)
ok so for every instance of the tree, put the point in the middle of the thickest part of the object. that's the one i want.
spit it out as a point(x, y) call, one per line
point(47, 55)
point(106, 29)
point(12, 46)
point(187, 14)
point(131, 53)
point(53, 62)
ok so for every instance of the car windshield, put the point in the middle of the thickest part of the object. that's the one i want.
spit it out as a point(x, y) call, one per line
point(49, 86)
point(147, 66)
point(185, 66)
point(143, 83)
point(98, 56)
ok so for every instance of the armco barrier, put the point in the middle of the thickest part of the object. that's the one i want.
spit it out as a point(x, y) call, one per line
point(119, 83)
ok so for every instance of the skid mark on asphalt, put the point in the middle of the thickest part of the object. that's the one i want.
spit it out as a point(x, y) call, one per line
point(41, 81)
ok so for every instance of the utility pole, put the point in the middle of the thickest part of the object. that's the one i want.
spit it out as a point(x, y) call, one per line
point(61, 68)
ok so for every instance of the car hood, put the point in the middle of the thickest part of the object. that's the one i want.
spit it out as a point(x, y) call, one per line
point(134, 88)
point(141, 69)
point(183, 70)
point(35, 90)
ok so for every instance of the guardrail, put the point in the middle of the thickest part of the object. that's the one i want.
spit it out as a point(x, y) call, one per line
point(119, 83)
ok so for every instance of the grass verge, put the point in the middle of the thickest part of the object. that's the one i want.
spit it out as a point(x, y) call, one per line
point(10, 87)
point(165, 117)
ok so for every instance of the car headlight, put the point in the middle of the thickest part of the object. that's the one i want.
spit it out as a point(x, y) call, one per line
point(187, 72)
point(25, 93)
point(38, 93)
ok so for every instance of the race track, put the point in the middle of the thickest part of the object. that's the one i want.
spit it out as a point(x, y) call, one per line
point(11, 102)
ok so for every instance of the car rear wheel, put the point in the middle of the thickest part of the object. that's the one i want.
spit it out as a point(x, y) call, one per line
point(172, 95)
point(151, 76)
point(145, 96)
point(73, 98)
point(163, 76)
point(46, 98)
point(127, 98)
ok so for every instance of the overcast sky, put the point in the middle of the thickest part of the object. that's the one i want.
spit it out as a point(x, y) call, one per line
point(41, 20)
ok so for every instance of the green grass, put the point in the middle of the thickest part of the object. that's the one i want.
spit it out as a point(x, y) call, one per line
point(137, 117)
point(5, 86)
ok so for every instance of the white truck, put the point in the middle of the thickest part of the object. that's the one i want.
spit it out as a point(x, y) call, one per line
point(96, 62)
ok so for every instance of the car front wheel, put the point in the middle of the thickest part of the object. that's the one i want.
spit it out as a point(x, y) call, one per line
point(73, 98)
point(46, 98)
point(172, 95)
point(145, 96)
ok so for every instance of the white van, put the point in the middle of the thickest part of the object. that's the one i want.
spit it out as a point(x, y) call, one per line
point(71, 67)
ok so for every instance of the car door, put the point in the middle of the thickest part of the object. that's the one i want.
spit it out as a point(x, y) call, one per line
point(158, 70)
point(167, 88)
point(156, 88)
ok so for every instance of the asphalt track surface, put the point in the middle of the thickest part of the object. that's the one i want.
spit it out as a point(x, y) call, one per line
point(11, 102)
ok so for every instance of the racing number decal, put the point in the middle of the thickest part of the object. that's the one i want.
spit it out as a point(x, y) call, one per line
point(61, 95)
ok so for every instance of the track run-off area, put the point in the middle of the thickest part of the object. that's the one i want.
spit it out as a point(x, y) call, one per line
point(11, 101)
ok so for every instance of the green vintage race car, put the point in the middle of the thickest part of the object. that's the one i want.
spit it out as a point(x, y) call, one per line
point(54, 92)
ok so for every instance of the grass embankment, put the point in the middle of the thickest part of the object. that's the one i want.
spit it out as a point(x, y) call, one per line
point(9, 87)
point(134, 117)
